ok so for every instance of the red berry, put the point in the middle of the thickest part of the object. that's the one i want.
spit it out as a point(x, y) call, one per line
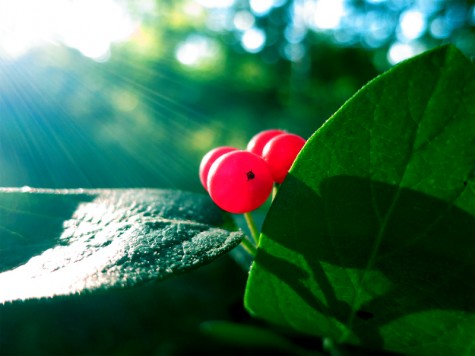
point(258, 141)
point(280, 153)
point(239, 182)
point(209, 159)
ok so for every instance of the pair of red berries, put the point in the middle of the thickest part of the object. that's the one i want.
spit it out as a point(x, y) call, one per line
point(240, 181)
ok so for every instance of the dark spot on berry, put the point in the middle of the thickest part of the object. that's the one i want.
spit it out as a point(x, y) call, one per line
point(465, 183)
point(365, 315)
point(250, 175)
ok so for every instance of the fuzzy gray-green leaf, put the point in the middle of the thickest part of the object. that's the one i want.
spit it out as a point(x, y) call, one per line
point(55, 242)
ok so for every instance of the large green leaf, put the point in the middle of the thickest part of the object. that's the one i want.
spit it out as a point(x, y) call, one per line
point(371, 239)
point(56, 242)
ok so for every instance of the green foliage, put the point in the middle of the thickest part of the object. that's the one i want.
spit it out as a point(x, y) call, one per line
point(62, 242)
point(370, 240)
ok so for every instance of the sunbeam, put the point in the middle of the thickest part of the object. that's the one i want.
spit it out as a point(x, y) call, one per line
point(71, 126)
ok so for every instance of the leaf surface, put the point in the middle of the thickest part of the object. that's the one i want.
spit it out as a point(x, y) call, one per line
point(55, 242)
point(371, 238)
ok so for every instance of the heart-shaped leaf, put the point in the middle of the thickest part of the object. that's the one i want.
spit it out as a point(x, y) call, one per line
point(56, 242)
point(371, 239)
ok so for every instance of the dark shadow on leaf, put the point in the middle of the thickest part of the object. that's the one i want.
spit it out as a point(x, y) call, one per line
point(423, 246)
point(33, 223)
point(296, 279)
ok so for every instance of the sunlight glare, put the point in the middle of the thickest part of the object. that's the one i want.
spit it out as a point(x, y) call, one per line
point(88, 26)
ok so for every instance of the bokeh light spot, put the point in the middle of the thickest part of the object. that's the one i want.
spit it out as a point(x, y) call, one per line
point(401, 51)
point(197, 50)
point(413, 24)
point(439, 29)
point(261, 7)
point(253, 40)
point(216, 3)
point(243, 20)
point(294, 51)
point(328, 14)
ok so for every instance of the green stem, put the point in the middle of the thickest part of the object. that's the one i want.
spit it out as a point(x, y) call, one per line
point(275, 189)
point(252, 227)
point(249, 247)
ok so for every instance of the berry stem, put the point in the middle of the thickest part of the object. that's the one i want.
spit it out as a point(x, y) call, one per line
point(275, 189)
point(248, 246)
point(252, 227)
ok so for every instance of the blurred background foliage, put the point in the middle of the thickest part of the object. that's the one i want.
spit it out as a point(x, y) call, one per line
point(116, 93)
point(109, 93)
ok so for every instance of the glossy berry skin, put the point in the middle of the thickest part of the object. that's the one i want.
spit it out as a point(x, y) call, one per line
point(239, 182)
point(258, 141)
point(280, 152)
point(208, 159)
